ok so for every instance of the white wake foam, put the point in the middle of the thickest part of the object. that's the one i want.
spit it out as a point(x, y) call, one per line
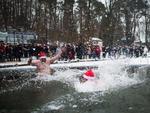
point(110, 76)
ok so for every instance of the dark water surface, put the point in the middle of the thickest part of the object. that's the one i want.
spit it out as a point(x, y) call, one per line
point(29, 96)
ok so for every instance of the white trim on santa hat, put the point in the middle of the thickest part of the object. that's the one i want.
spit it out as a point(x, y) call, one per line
point(42, 57)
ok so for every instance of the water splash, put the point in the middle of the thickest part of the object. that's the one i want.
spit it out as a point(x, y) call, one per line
point(111, 75)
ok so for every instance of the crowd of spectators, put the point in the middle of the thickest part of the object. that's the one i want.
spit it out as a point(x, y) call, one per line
point(9, 52)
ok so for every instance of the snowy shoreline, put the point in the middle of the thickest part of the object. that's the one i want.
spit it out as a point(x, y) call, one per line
point(82, 63)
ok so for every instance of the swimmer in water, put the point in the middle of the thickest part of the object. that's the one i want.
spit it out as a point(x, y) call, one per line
point(87, 76)
point(43, 63)
point(89, 82)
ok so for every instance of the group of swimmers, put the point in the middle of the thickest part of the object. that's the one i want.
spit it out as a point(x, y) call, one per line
point(43, 65)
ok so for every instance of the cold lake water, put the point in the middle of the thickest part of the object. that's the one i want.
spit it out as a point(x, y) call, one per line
point(122, 89)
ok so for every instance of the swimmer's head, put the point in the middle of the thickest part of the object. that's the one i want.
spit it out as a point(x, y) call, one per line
point(43, 59)
point(42, 56)
point(88, 75)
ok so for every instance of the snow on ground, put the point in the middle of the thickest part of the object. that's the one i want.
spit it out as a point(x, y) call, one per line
point(84, 63)
point(126, 61)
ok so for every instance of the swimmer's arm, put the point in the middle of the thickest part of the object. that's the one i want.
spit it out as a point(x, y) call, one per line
point(57, 56)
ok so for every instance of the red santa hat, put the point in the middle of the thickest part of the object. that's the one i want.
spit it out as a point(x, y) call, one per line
point(89, 75)
point(42, 54)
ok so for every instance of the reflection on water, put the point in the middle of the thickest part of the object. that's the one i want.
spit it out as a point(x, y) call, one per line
point(58, 94)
